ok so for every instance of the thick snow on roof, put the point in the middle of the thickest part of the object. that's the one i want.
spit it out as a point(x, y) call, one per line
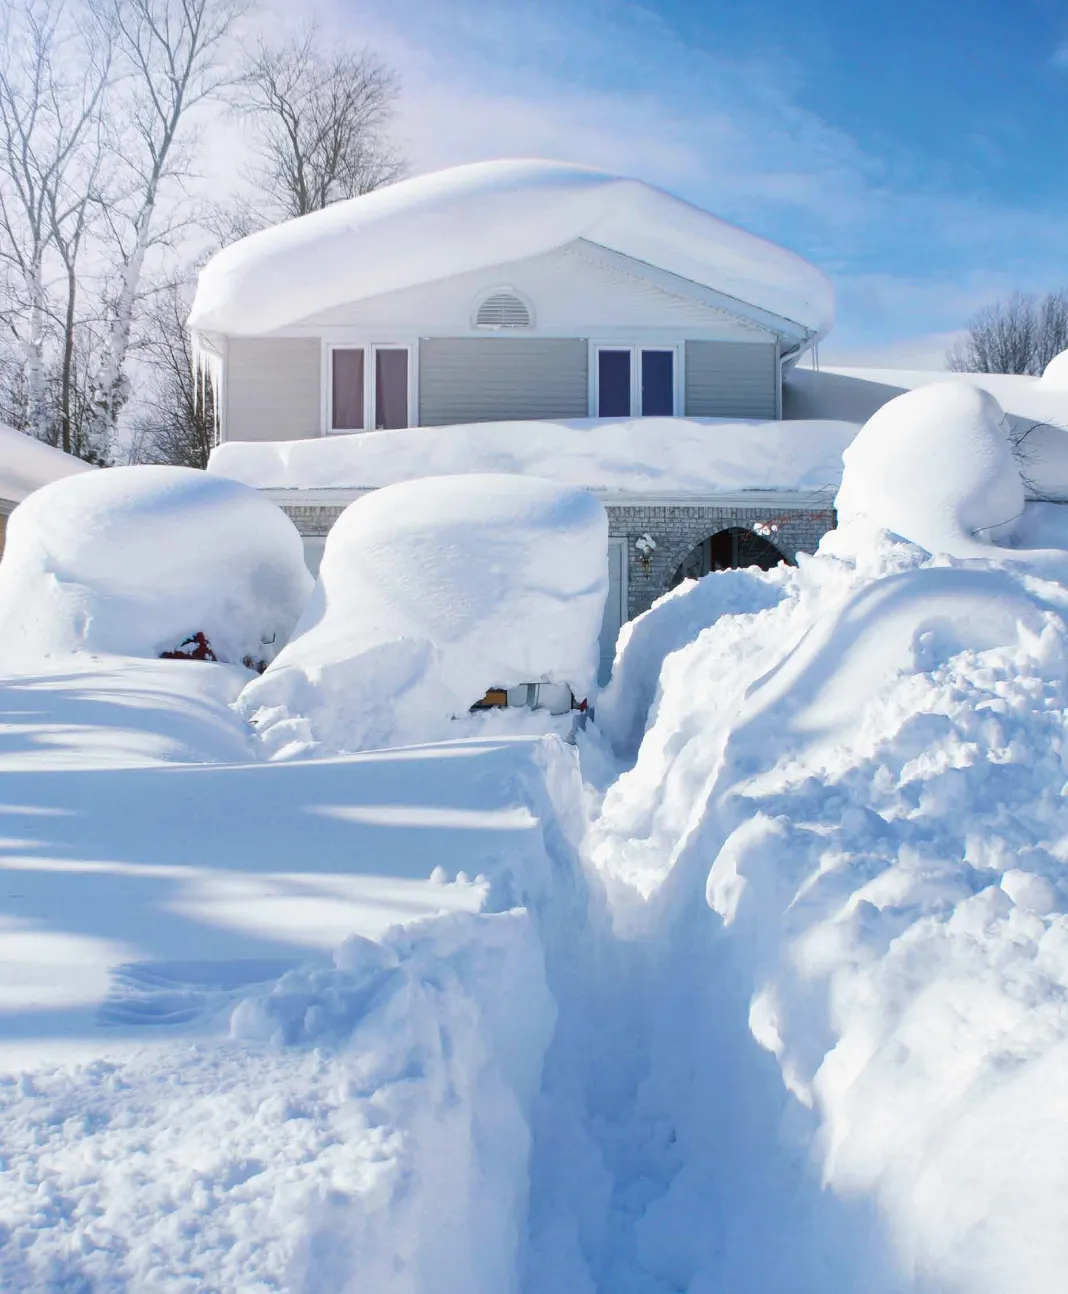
point(1036, 407)
point(640, 456)
point(487, 213)
point(26, 464)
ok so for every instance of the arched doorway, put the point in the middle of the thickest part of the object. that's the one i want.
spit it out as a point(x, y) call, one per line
point(732, 547)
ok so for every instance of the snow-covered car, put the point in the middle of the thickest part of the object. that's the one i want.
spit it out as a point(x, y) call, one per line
point(437, 597)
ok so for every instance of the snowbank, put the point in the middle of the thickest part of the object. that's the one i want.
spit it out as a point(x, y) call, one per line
point(485, 214)
point(135, 560)
point(1055, 374)
point(641, 456)
point(864, 780)
point(1036, 410)
point(934, 466)
point(429, 594)
point(26, 464)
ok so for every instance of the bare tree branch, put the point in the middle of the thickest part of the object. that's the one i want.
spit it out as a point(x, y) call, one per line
point(1020, 335)
point(325, 117)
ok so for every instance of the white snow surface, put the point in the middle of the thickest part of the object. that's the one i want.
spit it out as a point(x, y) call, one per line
point(934, 466)
point(865, 781)
point(134, 560)
point(485, 214)
point(430, 593)
point(693, 456)
point(26, 464)
point(1036, 410)
point(760, 985)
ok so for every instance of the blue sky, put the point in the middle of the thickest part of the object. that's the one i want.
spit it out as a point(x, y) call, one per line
point(916, 151)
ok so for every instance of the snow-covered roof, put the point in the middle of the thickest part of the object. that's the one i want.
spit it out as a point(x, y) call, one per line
point(647, 456)
point(26, 464)
point(485, 214)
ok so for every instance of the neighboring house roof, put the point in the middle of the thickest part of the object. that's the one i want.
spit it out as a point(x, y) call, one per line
point(26, 464)
point(487, 214)
point(646, 457)
point(1037, 410)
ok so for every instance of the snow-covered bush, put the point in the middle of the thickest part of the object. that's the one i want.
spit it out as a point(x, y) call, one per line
point(934, 466)
point(430, 593)
point(135, 561)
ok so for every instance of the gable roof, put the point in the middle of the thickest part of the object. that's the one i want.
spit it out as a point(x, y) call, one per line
point(484, 214)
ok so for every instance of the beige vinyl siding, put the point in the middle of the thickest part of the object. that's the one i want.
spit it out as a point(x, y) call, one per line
point(731, 379)
point(482, 379)
point(272, 388)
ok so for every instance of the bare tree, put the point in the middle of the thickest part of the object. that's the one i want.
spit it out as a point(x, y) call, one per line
point(174, 52)
point(54, 73)
point(1020, 335)
point(325, 117)
point(176, 423)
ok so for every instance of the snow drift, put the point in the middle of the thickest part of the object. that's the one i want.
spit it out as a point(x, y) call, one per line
point(135, 560)
point(934, 466)
point(481, 215)
point(641, 455)
point(26, 464)
point(430, 593)
point(862, 776)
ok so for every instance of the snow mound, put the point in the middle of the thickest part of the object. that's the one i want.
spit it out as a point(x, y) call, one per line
point(26, 464)
point(934, 466)
point(864, 781)
point(430, 593)
point(691, 456)
point(1055, 374)
point(135, 560)
point(627, 702)
point(485, 214)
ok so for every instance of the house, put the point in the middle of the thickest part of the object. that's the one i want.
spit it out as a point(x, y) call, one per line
point(513, 295)
point(25, 465)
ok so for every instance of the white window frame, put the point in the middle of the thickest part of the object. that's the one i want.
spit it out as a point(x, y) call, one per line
point(369, 367)
point(678, 350)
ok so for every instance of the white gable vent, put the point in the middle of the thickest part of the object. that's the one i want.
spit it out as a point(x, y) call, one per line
point(503, 309)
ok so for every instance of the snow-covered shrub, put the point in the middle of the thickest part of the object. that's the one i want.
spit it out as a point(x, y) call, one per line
point(430, 593)
point(135, 561)
point(934, 466)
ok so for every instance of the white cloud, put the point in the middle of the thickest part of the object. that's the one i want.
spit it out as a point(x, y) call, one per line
point(612, 84)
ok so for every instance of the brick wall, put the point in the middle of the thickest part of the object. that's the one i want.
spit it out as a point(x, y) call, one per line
point(677, 528)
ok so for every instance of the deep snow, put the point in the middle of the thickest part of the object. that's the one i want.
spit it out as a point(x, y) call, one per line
point(137, 560)
point(760, 985)
point(487, 214)
point(650, 456)
point(430, 593)
point(26, 464)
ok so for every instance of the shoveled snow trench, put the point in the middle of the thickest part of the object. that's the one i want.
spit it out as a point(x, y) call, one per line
point(774, 998)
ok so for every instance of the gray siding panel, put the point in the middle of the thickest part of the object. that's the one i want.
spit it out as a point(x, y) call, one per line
point(483, 379)
point(731, 379)
point(272, 388)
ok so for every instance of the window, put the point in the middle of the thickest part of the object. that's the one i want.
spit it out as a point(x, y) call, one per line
point(658, 383)
point(613, 384)
point(391, 387)
point(346, 390)
point(503, 308)
point(632, 378)
point(369, 387)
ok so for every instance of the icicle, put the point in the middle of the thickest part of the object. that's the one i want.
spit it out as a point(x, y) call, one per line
point(207, 368)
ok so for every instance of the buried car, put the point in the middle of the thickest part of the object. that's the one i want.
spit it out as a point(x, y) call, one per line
point(437, 597)
point(147, 562)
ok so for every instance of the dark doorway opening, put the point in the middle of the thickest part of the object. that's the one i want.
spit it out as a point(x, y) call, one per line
point(729, 548)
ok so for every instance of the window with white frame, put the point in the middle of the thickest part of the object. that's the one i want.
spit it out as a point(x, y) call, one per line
point(369, 387)
point(635, 380)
